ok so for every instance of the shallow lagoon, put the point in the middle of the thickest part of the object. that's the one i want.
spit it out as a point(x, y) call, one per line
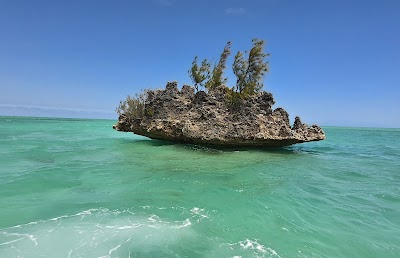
point(72, 187)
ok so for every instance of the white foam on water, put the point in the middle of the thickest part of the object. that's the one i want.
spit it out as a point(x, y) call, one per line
point(258, 249)
point(244, 248)
point(12, 241)
point(185, 224)
point(153, 218)
point(200, 212)
point(96, 233)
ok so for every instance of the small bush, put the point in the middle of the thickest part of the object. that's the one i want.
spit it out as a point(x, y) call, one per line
point(234, 99)
point(149, 112)
point(133, 107)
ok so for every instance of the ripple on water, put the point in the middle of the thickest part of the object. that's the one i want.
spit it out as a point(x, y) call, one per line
point(101, 232)
point(115, 233)
point(338, 198)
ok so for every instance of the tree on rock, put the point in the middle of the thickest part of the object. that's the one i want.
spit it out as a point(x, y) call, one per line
point(250, 72)
point(217, 79)
point(199, 75)
point(239, 69)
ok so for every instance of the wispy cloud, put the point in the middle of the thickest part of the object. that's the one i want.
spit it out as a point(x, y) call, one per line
point(235, 11)
point(165, 2)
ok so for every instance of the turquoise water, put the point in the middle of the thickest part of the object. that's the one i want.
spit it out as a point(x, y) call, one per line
point(77, 188)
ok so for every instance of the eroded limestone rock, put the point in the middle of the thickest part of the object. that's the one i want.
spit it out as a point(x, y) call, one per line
point(206, 118)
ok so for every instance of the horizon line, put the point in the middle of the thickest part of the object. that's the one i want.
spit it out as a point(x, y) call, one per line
point(91, 118)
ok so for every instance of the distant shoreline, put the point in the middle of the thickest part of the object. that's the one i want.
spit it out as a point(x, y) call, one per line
point(37, 111)
point(56, 118)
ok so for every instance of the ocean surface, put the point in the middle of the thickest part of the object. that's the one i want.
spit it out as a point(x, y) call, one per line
point(77, 188)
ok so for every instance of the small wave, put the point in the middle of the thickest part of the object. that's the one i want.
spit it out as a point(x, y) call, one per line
point(199, 212)
point(185, 224)
point(97, 233)
point(258, 248)
point(249, 247)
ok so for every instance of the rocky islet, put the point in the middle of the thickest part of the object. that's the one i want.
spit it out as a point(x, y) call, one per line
point(206, 118)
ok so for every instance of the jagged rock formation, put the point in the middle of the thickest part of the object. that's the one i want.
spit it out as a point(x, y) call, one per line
point(207, 118)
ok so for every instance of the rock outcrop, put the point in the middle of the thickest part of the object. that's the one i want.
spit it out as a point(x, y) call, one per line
point(206, 118)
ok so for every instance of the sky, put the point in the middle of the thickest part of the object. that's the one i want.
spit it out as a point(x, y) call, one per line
point(333, 62)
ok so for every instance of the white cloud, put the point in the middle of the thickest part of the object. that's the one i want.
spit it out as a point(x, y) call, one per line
point(235, 11)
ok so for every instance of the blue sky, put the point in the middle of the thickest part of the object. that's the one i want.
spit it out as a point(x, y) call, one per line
point(333, 62)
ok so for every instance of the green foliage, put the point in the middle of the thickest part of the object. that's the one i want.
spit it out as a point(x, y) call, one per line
point(250, 72)
point(217, 79)
point(133, 107)
point(233, 99)
point(239, 69)
point(199, 75)
point(149, 112)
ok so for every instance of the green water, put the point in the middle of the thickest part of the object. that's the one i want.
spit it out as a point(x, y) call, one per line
point(77, 188)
